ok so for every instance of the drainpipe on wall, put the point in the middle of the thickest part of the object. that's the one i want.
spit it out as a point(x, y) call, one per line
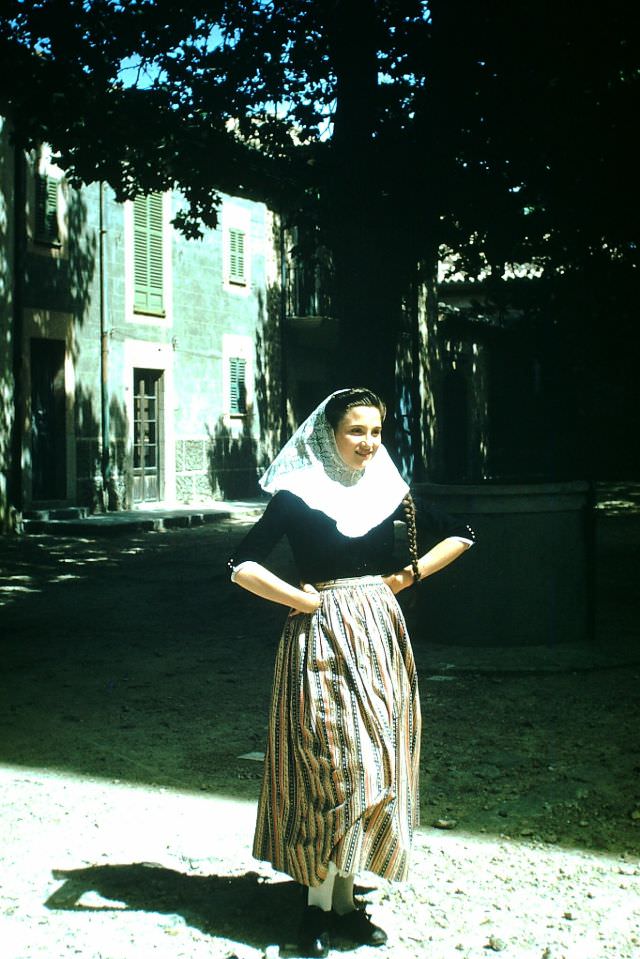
point(104, 358)
point(16, 490)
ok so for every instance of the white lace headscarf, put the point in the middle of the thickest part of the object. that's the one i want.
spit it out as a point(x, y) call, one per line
point(310, 466)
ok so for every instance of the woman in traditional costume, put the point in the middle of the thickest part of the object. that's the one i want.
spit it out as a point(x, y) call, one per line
point(340, 787)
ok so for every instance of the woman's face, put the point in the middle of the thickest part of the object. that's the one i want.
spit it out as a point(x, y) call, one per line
point(359, 435)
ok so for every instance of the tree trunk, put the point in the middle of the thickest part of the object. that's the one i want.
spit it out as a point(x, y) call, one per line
point(366, 295)
point(16, 480)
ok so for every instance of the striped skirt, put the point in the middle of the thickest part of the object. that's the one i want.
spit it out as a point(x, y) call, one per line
point(342, 760)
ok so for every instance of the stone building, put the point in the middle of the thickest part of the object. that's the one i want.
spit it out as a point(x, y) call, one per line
point(133, 363)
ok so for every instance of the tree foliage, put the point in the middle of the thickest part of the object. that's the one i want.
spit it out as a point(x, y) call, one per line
point(504, 131)
point(458, 106)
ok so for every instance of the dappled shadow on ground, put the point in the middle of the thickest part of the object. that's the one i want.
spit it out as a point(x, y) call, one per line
point(34, 569)
point(619, 498)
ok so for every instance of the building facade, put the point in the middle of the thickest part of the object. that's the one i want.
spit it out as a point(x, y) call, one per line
point(130, 374)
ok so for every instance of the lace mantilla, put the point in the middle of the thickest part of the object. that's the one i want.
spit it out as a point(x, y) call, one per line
point(310, 466)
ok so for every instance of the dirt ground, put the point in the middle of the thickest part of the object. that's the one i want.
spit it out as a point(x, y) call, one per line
point(134, 681)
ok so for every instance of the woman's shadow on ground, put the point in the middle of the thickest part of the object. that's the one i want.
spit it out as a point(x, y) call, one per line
point(245, 908)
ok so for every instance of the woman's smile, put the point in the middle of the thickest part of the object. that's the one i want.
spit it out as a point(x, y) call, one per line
point(358, 436)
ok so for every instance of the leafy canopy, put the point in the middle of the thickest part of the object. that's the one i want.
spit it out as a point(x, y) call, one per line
point(503, 131)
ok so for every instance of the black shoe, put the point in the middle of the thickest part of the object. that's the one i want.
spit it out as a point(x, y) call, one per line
point(313, 938)
point(356, 926)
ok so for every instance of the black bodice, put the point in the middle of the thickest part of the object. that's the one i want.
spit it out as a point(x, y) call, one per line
point(322, 553)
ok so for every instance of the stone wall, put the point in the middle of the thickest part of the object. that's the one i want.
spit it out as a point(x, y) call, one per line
point(193, 481)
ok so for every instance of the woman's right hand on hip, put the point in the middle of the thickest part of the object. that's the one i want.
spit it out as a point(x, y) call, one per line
point(310, 602)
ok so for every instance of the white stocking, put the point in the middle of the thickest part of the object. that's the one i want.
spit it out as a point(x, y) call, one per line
point(343, 895)
point(322, 895)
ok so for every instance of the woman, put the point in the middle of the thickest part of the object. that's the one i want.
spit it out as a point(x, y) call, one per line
point(340, 787)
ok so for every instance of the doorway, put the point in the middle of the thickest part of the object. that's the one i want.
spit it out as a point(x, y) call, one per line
point(148, 435)
point(48, 420)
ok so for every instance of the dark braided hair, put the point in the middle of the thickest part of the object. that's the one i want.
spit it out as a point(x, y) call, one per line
point(347, 399)
point(412, 535)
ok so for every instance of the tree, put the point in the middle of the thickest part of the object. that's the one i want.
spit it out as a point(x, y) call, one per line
point(503, 132)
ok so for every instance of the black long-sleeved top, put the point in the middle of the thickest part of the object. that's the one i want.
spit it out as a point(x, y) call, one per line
point(322, 553)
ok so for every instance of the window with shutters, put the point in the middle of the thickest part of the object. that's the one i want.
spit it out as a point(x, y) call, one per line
point(47, 229)
point(148, 255)
point(237, 386)
point(237, 267)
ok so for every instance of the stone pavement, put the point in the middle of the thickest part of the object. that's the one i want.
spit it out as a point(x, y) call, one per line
point(77, 521)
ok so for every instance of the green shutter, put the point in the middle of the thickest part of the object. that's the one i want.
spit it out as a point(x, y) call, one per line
point(236, 256)
point(148, 254)
point(237, 385)
point(47, 210)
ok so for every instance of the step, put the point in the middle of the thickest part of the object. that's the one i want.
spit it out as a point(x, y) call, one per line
point(117, 523)
point(62, 512)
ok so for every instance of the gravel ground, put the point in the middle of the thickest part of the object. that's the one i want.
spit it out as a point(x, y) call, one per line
point(112, 871)
point(134, 681)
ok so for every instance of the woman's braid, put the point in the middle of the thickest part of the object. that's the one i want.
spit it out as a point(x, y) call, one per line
point(412, 535)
